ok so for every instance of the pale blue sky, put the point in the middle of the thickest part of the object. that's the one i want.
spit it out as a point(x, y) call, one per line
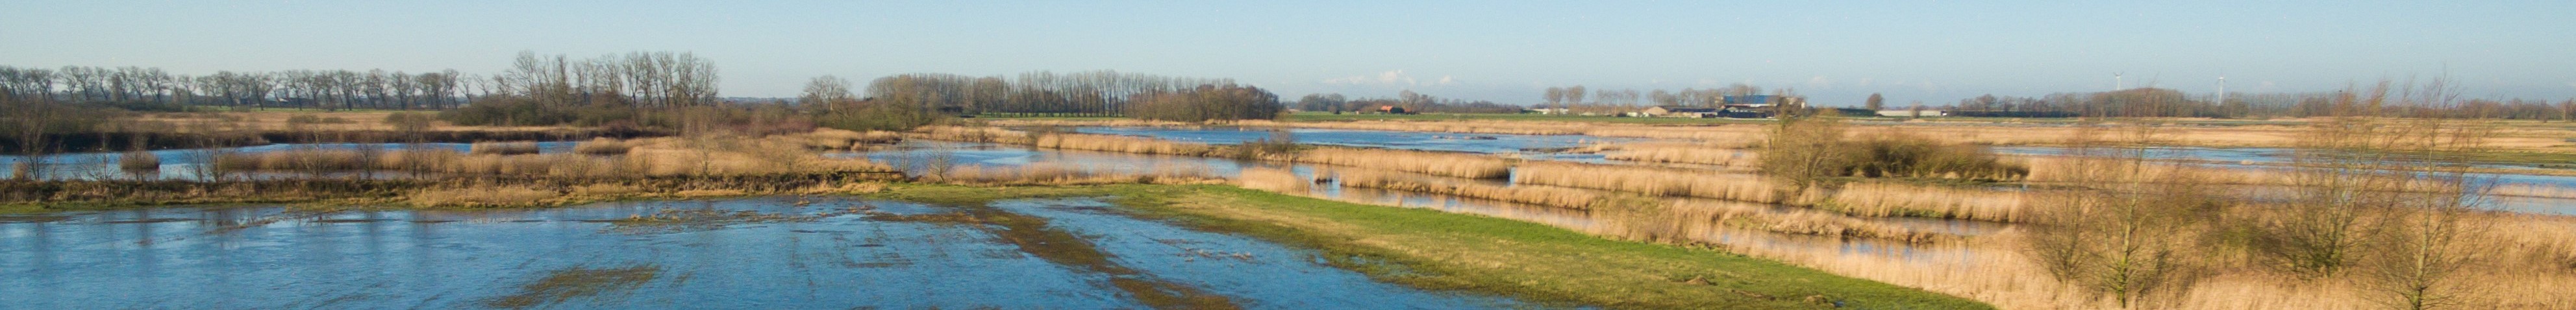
point(1837, 52)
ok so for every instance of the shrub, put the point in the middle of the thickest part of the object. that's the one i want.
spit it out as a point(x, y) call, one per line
point(410, 121)
point(1910, 156)
point(139, 160)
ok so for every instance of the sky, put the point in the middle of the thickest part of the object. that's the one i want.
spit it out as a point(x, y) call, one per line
point(1836, 52)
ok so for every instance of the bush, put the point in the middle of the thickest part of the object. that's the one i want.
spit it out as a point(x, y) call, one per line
point(139, 160)
point(1910, 156)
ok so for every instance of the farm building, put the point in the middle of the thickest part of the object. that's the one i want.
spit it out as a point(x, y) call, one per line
point(1677, 111)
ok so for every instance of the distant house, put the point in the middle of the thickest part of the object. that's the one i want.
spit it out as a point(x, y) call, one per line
point(1388, 109)
point(1679, 111)
point(1749, 110)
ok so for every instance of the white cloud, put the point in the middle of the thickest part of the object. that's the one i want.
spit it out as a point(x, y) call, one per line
point(1819, 82)
point(1395, 78)
point(2571, 84)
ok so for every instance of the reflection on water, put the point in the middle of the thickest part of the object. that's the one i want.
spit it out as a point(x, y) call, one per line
point(270, 257)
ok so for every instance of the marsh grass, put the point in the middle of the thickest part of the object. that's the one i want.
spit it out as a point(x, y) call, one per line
point(1272, 179)
point(503, 148)
point(602, 147)
point(1123, 144)
point(1883, 199)
point(138, 161)
point(480, 196)
point(1534, 195)
point(1687, 153)
point(1649, 181)
point(1433, 163)
point(1052, 174)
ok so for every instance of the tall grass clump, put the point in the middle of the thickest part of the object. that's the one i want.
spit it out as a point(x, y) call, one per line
point(1535, 195)
point(1271, 179)
point(1051, 174)
point(602, 146)
point(1433, 163)
point(1649, 181)
point(1683, 153)
point(503, 148)
point(1882, 199)
point(138, 161)
point(1123, 144)
point(480, 196)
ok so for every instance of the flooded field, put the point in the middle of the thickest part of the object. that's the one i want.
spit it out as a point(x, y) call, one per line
point(183, 164)
point(1403, 140)
point(778, 252)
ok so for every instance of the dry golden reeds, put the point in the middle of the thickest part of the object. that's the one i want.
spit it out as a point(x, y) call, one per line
point(1058, 175)
point(602, 146)
point(1791, 221)
point(1432, 163)
point(1271, 179)
point(480, 196)
point(1889, 199)
point(1535, 195)
point(503, 148)
point(1703, 154)
point(1649, 181)
point(971, 134)
point(138, 161)
point(1124, 144)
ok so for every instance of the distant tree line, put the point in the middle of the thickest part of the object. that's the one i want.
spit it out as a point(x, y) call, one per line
point(2163, 102)
point(1090, 93)
point(1206, 103)
point(1409, 100)
point(152, 89)
point(609, 89)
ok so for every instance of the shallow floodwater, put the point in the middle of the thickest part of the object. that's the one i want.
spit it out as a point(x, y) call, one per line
point(182, 164)
point(735, 253)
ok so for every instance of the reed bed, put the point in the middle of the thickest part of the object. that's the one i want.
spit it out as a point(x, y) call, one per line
point(1686, 153)
point(138, 161)
point(1534, 195)
point(602, 147)
point(1881, 199)
point(971, 134)
point(480, 196)
point(1791, 221)
point(837, 139)
point(1272, 179)
point(1123, 144)
point(503, 148)
point(1050, 174)
point(1433, 163)
point(645, 157)
point(1649, 181)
